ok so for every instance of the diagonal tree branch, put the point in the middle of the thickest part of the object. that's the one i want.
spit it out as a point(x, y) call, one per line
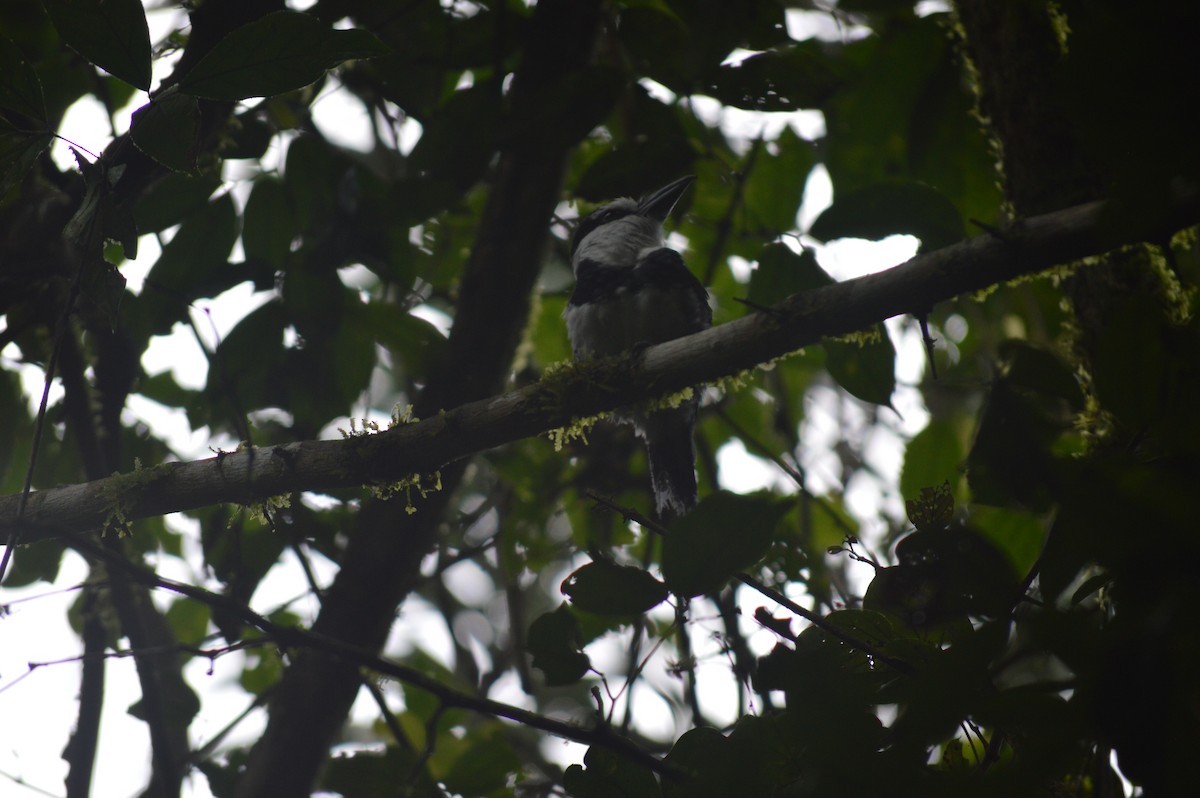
point(1028, 247)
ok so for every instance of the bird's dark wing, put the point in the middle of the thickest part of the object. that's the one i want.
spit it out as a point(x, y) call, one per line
point(595, 283)
point(664, 269)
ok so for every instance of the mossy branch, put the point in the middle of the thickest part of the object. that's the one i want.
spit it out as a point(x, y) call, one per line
point(587, 390)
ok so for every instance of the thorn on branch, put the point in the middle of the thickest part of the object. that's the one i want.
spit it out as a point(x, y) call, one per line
point(992, 230)
point(765, 309)
point(928, 342)
point(628, 513)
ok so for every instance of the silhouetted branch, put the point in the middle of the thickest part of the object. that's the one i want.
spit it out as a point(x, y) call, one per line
point(296, 638)
point(803, 319)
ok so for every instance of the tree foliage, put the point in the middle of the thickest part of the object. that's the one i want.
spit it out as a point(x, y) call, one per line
point(1011, 605)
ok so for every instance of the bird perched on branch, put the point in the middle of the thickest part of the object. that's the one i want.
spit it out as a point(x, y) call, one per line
point(632, 291)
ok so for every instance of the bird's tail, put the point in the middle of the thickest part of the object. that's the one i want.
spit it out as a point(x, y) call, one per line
point(672, 456)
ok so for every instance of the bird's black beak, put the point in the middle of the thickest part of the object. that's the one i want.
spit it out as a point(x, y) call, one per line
point(658, 204)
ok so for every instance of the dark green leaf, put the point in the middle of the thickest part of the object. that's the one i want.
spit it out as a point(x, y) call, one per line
point(369, 773)
point(1020, 535)
point(18, 152)
point(869, 119)
point(609, 775)
point(781, 272)
point(866, 371)
point(571, 107)
point(775, 186)
point(554, 644)
point(459, 140)
point(112, 34)
point(249, 138)
point(1131, 361)
point(1011, 459)
point(172, 199)
point(655, 151)
point(799, 76)
point(311, 173)
point(188, 620)
point(933, 456)
point(167, 130)
point(120, 228)
point(624, 171)
point(34, 562)
point(710, 762)
point(932, 509)
point(415, 343)
point(681, 45)
point(871, 628)
point(262, 671)
point(102, 288)
point(352, 351)
point(608, 589)
point(726, 533)
point(20, 89)
point(278, 53)
point(1041, 371)
point(192, 264)
point(268, 222)
point(485, 764)
point(163, 388)
point(947, 147)
point(249, 370)
point(944, 576)
point(894, 208)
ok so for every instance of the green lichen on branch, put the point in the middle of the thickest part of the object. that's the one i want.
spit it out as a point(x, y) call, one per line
point(261, 511)
point(577, 430)
point(560, 380)
point(360, 428)
point(419, 484)
point(873, 335)
point(411, 485)
point(121, 493)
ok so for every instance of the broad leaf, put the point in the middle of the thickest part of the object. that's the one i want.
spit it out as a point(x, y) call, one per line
point(710, 761)
point(609, 775)
point(892, 208)
point(933, 456)
point(867, 371)
point(608, 589)
point(799, 76)
point(20, 89)
point(281, 52)
point(18, 152)
point(726, 533)
point(168, 130)
point(112, 34)
point(554, 643)
point(780, 272)
point(775, 187)
point(268, 222)
point(171, 200)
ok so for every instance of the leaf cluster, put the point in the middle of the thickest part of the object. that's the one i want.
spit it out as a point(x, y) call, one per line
point(1024, 613)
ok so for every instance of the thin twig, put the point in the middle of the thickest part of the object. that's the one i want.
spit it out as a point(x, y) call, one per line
point(824, 625)
point(291, 637)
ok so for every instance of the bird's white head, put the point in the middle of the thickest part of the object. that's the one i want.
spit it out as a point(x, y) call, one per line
point(613, 235)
